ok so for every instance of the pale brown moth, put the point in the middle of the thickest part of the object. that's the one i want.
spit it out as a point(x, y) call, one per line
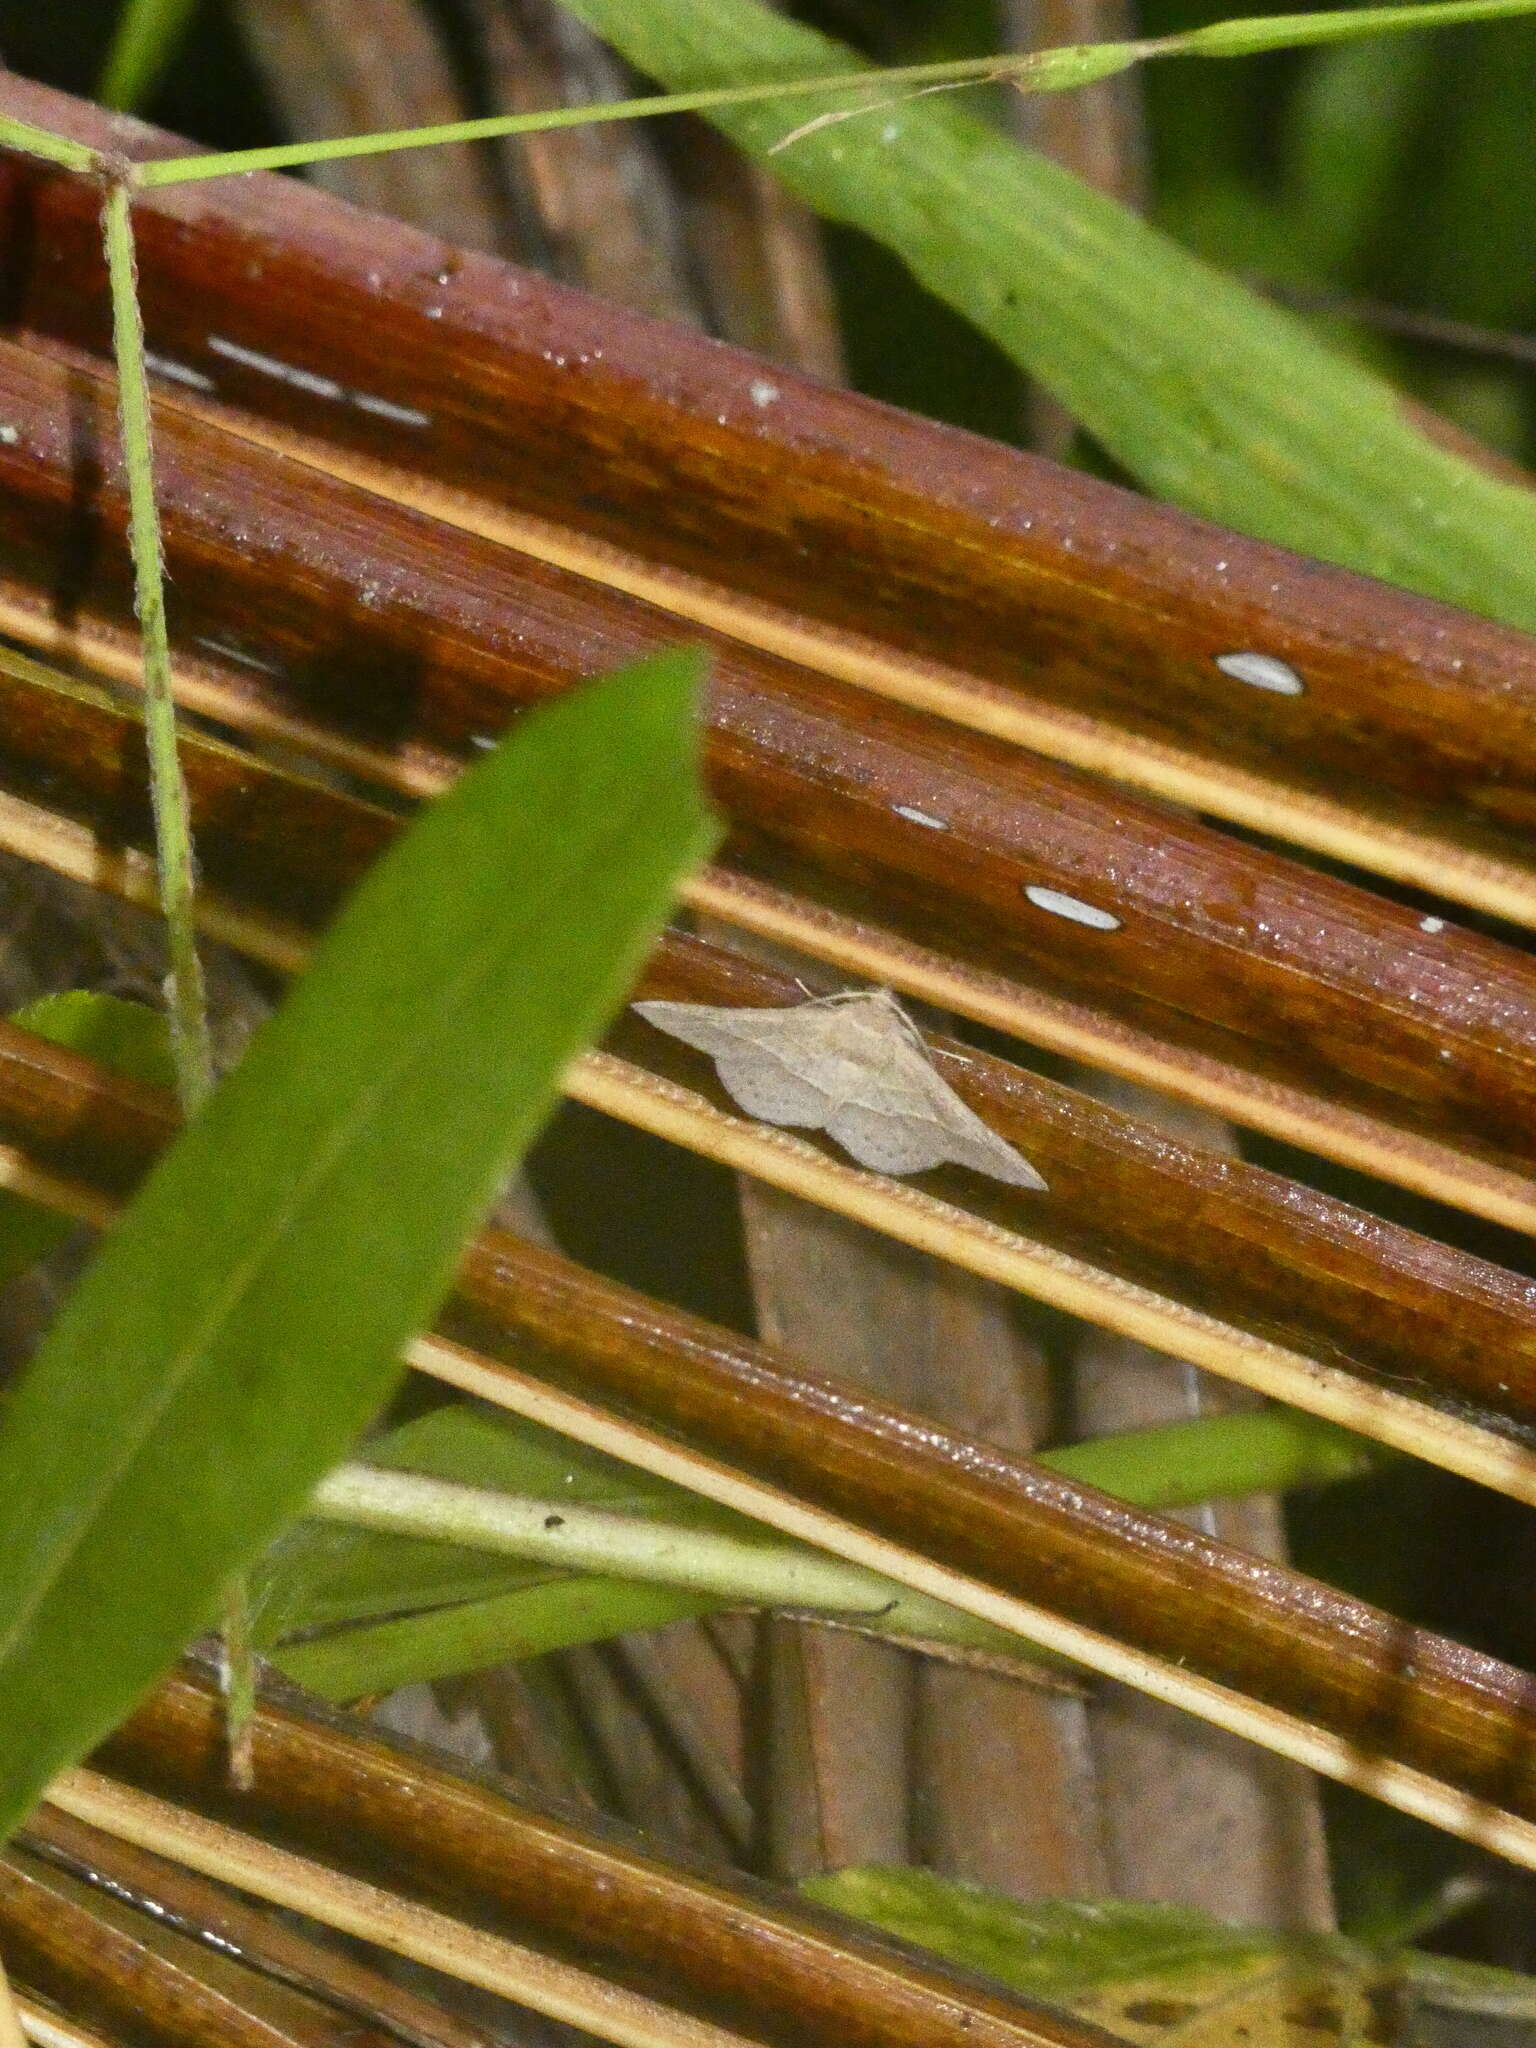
point(853, 1066)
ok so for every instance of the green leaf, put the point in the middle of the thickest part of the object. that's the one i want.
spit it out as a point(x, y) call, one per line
point(1144, 1972)
point(555, 1614)
point(595, 1550)
point(129, 1039)
point(246, 1317)
point(1211, 397)
point(1050, 1948)
point(1219, 1457)
point(148, 32)
point(125, 1037)
point(367, 1612)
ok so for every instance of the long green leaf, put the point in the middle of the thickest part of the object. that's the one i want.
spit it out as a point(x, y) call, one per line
point(246, 1317)
point(366, 1612)
point(1155, 1968)
point(1211, 397)
point(1049, 1948)
point(147, 34)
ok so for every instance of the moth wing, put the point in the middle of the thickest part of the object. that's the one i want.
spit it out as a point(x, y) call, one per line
point(970, 1142)
point(766, 1086)
point(707, 1027)
point(758, 1055)
point(985, 1152)
point(893, 1113)
point(887, 1141)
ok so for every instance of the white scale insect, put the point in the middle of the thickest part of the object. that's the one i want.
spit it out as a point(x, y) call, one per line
point(853, 1066)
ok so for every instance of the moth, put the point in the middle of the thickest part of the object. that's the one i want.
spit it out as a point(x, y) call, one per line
point(853, 1066)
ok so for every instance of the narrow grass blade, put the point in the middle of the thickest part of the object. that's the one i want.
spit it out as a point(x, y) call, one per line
point(54, 149)
point(475, 1635)
point(191, 1039)
point(147, 34)
point(1214, 399)
point(246, 1316)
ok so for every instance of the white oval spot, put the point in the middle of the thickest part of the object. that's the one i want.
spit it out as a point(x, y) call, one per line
point(764, 393)
point(270, 366)
point(386, 409)
point(1431, 924)
point(915, 817)
point(1061, 905)
point(233, 653)
point(178, 373)
point(1264, 671)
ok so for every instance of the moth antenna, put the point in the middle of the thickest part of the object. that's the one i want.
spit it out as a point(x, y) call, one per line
point(913, 1032)
point(839, 997)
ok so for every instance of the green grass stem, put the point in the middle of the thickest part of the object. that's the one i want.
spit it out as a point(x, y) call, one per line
point(191, 1039)
point(1057, 70)
point(54, 149)
point(191, 1046)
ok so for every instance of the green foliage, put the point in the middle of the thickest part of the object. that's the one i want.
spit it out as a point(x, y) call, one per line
point(246, 1317)
point(148, 32)
point(367, 1611)
point(425, 1591)
point(1385, 170)
point(1049, 1948)
point(1213, 398)
point(128, 1039)
point(557, 1611)
point(1214, 1457)
point(125, 1037)
point(522, 1551)
point(1154, 1972)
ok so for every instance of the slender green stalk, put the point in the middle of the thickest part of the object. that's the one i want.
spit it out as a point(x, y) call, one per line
point(191, 1046)
point(55, 149)
point(1057, 70)
point(287, 156)
point(758, 1572)
point(191, 1041)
